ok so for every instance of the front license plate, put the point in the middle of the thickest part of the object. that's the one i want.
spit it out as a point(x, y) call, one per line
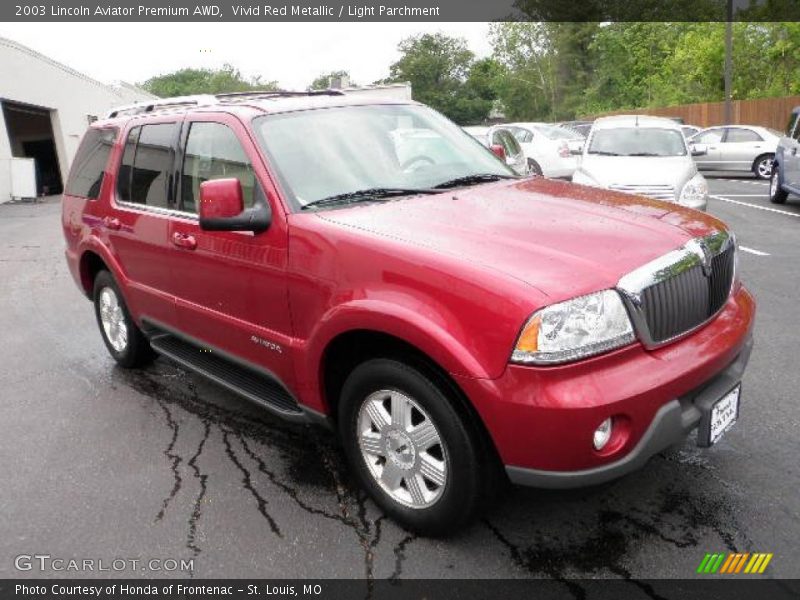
point(724, 414)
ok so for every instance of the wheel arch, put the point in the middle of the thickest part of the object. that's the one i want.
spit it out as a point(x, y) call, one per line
point(350, 348)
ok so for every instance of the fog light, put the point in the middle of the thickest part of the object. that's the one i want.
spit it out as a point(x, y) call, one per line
point(602, 434)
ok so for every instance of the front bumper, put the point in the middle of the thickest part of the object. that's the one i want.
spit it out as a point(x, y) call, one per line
point(671, 424)
point(542, 419)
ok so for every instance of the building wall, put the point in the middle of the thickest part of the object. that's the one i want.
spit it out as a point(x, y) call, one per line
point(28, 77)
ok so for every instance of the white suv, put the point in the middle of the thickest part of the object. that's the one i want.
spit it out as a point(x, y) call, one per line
point(642, 155)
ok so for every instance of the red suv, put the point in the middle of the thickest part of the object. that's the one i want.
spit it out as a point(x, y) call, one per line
point(368, 265)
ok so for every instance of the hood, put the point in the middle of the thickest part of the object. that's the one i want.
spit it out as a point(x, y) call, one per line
point(643, 171)
point(561, 238)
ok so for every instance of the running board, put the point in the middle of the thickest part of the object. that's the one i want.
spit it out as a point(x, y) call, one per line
point(247, 382)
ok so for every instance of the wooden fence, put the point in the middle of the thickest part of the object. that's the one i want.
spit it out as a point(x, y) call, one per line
point(768, 112)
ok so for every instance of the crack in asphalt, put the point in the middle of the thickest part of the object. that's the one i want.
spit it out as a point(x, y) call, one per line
point(174, 459)
point(247, 430)
point(248, 483)
point(400, 556)
point(194, 518)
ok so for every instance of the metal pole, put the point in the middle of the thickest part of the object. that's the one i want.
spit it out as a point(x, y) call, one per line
point(729, 64)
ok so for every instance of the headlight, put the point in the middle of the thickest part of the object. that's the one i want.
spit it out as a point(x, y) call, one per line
point(574, 329)
point(695, 193)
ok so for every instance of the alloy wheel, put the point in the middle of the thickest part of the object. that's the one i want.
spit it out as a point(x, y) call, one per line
point(112, 318)
point(402, 449)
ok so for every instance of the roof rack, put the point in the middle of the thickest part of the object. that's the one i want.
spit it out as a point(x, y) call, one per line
point(176, 101)
point(207, 99)
point(255, 94)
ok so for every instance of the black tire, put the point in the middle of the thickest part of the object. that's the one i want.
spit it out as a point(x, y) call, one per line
point(777, 195)
point(760, 166)
point(136, 351)
point(534, 167)
point(464, 492)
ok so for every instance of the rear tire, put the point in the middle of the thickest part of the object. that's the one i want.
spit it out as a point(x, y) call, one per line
point(777, 195)
point(411, 449)
point(534, 167)
point(125, 341)
point(762, 166)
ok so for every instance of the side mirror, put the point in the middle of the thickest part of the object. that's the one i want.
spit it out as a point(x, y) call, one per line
point(576, 149)
point(698, 149)
point(498, 151)
point(222, 208)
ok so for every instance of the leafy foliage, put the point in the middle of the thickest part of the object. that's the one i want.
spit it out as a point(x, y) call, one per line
point(204, 81)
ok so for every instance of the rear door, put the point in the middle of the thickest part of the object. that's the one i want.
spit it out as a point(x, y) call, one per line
point(739, 148)
point(138, 223)
point(230, 286)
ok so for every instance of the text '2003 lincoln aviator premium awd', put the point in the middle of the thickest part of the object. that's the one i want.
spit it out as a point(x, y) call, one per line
point(368, 265)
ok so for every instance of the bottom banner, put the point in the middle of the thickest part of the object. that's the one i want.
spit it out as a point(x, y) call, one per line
point(413, 589)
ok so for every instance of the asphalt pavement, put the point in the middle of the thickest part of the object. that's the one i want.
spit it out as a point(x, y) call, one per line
point(103, 463)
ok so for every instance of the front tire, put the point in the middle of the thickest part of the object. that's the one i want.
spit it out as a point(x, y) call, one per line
point(762, 167)
point(410, 448)
point(125, 341)
point(777, 195)
point(534, 168)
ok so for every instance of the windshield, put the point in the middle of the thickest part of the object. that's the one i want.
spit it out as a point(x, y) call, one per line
point(329, 152)
point(554, 132)
point(637, 141)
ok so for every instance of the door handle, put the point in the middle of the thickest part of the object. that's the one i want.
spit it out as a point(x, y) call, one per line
point(111, 223)
point(183, 240)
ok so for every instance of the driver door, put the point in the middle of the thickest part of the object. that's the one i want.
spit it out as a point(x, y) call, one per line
point(230, 286)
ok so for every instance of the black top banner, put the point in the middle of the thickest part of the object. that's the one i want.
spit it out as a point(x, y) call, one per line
point(401, 10)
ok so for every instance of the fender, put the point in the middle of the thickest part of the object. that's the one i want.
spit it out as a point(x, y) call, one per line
point(91, 243)
point(386, 317)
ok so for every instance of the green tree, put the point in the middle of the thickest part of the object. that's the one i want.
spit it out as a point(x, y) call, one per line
point(204, 81)
point(438, 68)
point(323, 81)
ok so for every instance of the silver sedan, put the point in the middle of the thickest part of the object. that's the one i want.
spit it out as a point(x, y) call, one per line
point(742, 148)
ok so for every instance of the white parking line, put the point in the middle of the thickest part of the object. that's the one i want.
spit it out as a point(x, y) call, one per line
point(766, 208)
point(753, 251)
point(751, 182)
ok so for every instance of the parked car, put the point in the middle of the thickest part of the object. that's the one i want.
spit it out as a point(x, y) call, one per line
point(550, 150)
point(689, 130)
point(785, 176)
point(454, 323)
point(502, 142)
point(642, 155)
point(743, 148)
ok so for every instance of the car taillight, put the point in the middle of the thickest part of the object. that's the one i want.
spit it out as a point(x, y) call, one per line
point(563, 150)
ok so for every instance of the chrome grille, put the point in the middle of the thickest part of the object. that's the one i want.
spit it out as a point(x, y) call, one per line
point(681, 290)
point(659, 192)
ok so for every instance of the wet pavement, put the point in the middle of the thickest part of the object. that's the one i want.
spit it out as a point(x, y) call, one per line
point(105, 463)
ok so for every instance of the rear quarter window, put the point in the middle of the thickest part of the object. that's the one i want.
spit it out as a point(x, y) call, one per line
point(89, 165)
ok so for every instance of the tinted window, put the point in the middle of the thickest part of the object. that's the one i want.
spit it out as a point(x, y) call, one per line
point(523, 135)
point(126, 167)
point(712, 136)
point(151, 165)
point(214, 152)
point(90, 162)
point(735, 134)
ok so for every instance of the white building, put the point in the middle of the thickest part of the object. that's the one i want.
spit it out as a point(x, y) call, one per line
point(45, 108)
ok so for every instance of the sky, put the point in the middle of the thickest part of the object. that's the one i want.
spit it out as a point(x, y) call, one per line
point(291, 53)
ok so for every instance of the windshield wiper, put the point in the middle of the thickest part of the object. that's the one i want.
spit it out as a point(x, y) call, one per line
point(644, 154)
point(471, 179)
point(603, 153)
point(367, 195)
